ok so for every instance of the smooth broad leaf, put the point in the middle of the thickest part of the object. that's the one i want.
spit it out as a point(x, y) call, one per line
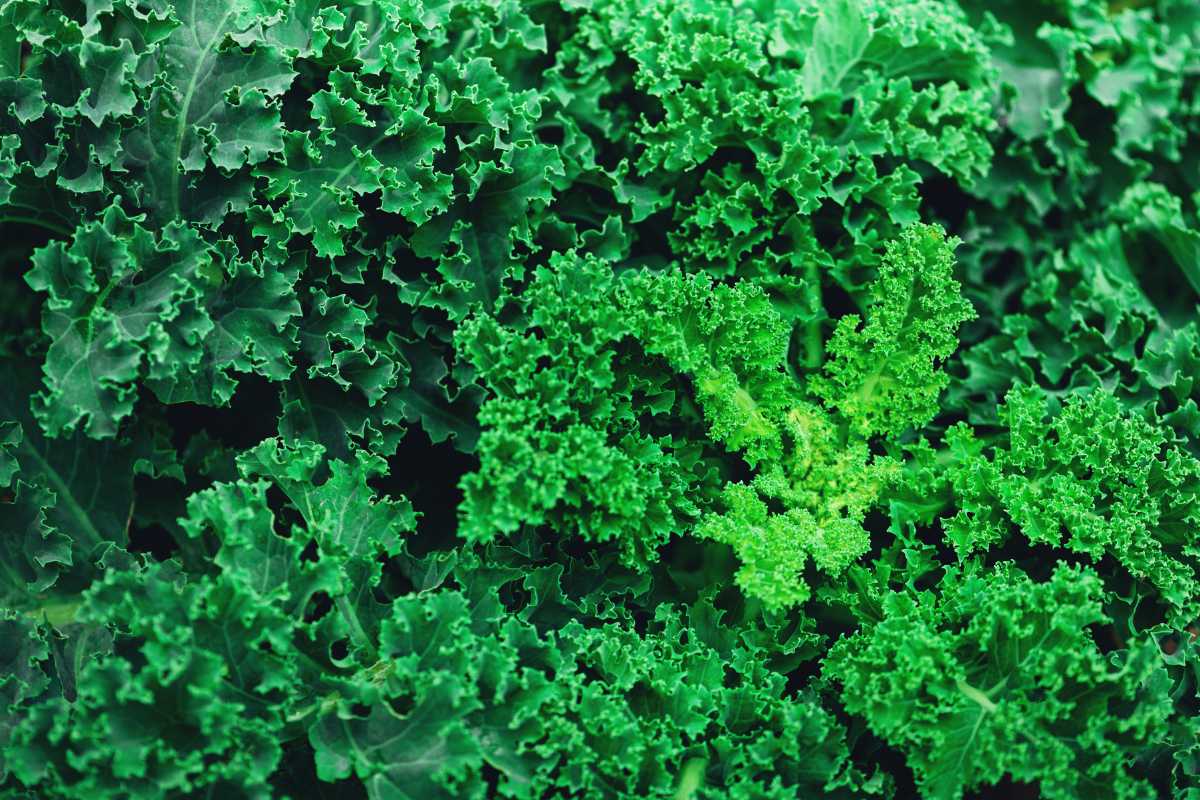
point(839, 38)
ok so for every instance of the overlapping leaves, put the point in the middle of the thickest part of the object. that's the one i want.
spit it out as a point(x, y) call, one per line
point(598, 398)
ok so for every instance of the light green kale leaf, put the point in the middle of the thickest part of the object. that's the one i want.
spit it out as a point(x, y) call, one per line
point(883, 374)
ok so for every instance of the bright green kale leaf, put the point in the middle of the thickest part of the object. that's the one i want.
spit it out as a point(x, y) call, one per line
point(884, 374)
point(1089, 477)
point(729, 348)
point(584, 710)
point(561, 441)
point(729, 340)
point(999, 675)
point(732, 345)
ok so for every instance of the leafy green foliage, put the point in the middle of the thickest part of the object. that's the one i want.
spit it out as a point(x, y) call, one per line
point(972, 683)
point(1090, 479)
point(670, 399)
point(599, 710)
point(884, 375)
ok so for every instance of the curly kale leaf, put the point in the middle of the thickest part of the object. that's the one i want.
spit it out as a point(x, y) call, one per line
point(66, 502)
point(124, 306)
point(1091, 478)
point(971, 683)
point(582, 710)
point(883, 374)
point(561, 441)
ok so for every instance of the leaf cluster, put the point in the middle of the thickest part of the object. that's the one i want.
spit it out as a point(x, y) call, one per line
point(680, 399)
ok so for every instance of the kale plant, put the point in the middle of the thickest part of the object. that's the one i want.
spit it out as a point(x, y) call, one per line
point(678, 399)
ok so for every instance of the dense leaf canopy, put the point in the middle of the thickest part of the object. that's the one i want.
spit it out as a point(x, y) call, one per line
point(679, 399)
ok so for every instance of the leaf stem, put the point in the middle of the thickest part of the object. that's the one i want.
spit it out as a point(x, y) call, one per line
point(56, 614)
point(41, 223)
point(357, 633)
point(814, 347)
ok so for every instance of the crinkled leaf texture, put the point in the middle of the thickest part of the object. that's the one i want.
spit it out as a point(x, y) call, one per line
point(634, 399)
